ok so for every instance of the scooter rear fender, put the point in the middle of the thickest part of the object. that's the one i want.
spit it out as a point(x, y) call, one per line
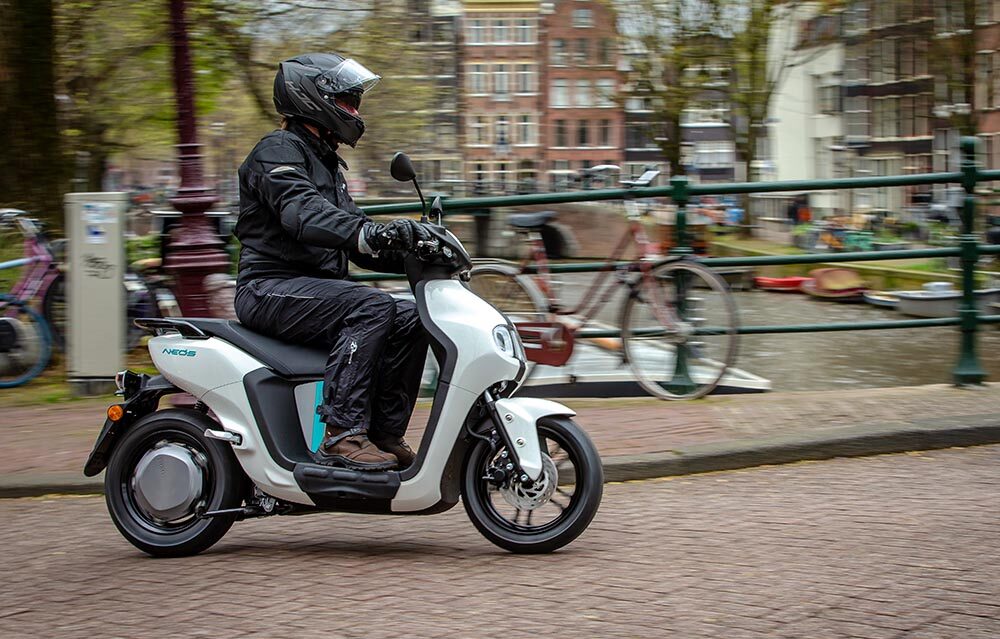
point(143, 402)
point(519, 417)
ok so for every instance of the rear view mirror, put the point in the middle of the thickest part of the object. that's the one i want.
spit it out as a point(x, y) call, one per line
point(401, 168)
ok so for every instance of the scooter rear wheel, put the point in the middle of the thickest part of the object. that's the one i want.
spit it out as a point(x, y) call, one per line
point(551, 513)
point(162, 475)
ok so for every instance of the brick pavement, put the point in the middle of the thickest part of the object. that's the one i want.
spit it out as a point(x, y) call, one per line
point(57, 438)
point(898, 546)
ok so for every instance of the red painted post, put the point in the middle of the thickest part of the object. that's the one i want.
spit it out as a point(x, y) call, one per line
point(194, 250)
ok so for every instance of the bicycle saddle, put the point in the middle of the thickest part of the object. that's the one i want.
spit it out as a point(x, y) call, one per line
point(530, 220)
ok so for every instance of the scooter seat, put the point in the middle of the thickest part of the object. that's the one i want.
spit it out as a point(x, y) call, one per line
point(289, 360)
point(530, 220)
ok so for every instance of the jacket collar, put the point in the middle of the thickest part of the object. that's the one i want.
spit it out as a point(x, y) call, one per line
point(324, 150)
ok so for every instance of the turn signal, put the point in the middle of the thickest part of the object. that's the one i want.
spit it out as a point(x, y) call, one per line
point(115, 412)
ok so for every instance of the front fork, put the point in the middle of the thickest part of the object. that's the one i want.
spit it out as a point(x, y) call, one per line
point(517, 430)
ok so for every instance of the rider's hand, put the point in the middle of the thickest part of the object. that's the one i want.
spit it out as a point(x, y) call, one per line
point(398, 235)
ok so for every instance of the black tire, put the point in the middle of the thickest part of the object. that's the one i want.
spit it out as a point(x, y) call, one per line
point(224, 485)
point(588, 484)
point(54, 310)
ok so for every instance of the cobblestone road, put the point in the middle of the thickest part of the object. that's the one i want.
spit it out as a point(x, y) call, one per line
point(891, 546)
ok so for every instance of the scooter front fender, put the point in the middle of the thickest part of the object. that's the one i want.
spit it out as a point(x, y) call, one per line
point(519, 417)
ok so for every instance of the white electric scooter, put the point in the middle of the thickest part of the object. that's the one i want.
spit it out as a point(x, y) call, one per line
point(178, 478)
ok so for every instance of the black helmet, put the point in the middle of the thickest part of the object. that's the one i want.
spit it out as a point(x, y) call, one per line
point(324, 89)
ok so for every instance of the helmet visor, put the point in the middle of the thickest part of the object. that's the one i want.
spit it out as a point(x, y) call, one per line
point(348, 76)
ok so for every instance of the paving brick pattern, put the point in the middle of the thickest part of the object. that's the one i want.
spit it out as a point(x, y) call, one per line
point(901, 546)
point(49, 439)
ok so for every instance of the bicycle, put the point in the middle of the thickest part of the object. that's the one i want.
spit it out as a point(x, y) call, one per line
point(25, 337)
point(678, 321)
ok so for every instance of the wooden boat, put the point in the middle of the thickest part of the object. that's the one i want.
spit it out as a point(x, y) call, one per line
point(836, 284)
point(791, 284)
point(884, 299)
point(942, 299)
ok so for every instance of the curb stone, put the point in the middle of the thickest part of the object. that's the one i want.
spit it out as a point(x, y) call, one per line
point(856, 441)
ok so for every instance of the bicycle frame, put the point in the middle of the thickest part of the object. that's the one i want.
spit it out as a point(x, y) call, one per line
point(41, 268)
point(597, 294)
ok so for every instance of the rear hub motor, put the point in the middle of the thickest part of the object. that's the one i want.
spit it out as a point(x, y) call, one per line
point(169, 482)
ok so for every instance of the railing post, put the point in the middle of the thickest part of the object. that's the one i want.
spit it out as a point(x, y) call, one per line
point(680, 194)
point(968, 369)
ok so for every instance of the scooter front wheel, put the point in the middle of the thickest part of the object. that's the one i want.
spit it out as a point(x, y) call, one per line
point(161, 477)
point(548, 514)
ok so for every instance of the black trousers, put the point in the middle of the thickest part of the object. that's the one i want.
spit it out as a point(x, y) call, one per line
point(377, 345)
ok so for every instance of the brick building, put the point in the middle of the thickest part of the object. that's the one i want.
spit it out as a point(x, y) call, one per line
point(502, 96)
point(583, 122)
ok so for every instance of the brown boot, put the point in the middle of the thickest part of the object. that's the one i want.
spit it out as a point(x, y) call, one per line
point(397, 446)
point(351, 449)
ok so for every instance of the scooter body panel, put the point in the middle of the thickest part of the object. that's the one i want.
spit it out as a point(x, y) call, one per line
point(199, 365)
point(461, 324)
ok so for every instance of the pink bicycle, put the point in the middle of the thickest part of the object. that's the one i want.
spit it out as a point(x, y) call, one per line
point(677, 321)
point(25, 335)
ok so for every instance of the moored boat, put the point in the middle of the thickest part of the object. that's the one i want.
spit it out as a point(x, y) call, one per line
point(885, 299)
point(942, 299)
point(836, 284)
point(791, 284)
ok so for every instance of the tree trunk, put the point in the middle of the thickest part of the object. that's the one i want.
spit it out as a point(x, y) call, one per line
point(35, 170)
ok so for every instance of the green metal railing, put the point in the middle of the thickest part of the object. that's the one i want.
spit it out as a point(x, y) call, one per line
point(967, 370)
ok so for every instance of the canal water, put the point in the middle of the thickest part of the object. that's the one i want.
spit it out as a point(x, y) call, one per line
point(849, 359)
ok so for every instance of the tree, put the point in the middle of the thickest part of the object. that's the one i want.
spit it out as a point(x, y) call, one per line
point(34, 171)
point(675, 47)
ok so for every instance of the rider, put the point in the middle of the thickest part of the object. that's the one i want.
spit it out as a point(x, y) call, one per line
point(298, 227)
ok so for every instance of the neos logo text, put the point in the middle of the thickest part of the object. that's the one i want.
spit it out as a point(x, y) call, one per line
point(180, 352)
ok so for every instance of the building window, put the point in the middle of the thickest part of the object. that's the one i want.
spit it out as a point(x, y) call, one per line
point(478, 33)
point(984, 80)
point(526, 130)
point(637, 104)
point(582, 52)
point(906, 117)
point(922, 124)
point(501, 32)
point(502, 133)
point(604, 134)
point(559, 93)
point(526, 81)
point(889, 60)
point(478, 131)
point(501, 80)
point(582, 137)
point(583, 18)
point(524, 31)
point(906, 59)
point(995, 91)
point(828, 95)
point(557, 51)
point(560, 133)
point(478, 79)
point(605, 92)
point(604, 51)
point(710, 155)
point(582, 96)
point(856, 114)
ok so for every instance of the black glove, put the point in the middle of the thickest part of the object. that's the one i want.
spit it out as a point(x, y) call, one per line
point(398, 235)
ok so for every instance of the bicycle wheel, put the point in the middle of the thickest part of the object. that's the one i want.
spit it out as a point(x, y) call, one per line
point(679, 331)
point(25, 343)
point(513, 294)
point(54, 309)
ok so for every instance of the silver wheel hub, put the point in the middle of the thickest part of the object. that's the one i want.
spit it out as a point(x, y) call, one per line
point(532, 496)
point(167, 482)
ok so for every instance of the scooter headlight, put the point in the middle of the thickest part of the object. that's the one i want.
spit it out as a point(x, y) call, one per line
point(507, 342)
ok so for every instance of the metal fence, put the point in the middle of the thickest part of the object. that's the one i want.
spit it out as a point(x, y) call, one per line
point(967, 370)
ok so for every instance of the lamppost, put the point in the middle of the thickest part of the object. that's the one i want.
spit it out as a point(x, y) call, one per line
point(194, 250)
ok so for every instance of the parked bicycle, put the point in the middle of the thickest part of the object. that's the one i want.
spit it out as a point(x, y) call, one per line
point(678, 320)
point(25, 337)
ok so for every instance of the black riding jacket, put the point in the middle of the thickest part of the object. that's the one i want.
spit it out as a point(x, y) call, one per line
point(296, 216)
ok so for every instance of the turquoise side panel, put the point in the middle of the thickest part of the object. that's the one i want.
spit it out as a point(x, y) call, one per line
point(319, 428)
